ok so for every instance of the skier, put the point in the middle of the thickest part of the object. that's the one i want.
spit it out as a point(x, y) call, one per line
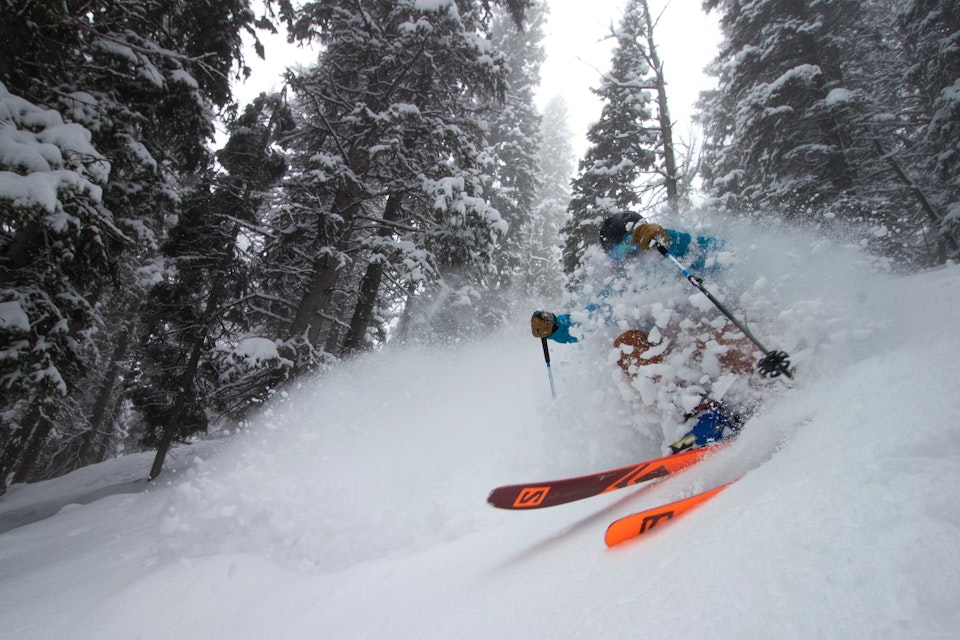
point(626, 236)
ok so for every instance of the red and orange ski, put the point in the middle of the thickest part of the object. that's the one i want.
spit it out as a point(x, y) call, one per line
point(536, 495)
point(637, 524)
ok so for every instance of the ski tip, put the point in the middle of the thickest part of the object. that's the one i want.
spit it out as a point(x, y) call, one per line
point(520, 497)
point(643, 522)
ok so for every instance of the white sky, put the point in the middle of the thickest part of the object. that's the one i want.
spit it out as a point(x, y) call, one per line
point(578, 51)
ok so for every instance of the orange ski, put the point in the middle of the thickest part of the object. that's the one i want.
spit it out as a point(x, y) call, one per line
point(536, 495)
point(637, 524)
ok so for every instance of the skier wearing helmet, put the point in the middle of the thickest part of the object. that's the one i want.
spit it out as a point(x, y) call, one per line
point(626, 237)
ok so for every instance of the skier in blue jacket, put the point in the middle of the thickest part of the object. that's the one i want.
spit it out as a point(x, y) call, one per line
point(626, 236)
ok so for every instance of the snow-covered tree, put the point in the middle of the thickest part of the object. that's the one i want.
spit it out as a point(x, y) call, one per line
point(192, 318)
point(623, 141)
point(811, 119)
point(544, 269)
point(143, 79)
point(514, 141)
point(384, 199)
point(770, 140)
point(54, 238)
point(931, 31)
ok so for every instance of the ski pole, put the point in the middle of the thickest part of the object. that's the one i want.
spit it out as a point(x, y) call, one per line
point(773, 363)
point(546, 357)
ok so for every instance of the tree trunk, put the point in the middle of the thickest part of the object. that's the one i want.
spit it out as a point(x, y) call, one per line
point(670, 180)
point(217, 293)
point(93, 440)
point(315, 300)
point(14, 446)
point(943, 242)
point(326, 273)
point(370, 286)
point(173, 422)
point(34, 446)
point(363, 312)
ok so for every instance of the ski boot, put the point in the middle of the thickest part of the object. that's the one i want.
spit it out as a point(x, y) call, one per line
point(713, 425)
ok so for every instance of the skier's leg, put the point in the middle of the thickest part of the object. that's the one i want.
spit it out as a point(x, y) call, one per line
point(713, 425)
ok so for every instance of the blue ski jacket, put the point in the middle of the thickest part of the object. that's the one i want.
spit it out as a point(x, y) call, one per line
point(682, 246)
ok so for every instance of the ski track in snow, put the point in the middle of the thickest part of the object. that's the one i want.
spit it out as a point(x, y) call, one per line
point(356, 507)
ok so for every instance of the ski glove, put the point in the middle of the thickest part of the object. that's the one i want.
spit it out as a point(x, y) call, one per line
point(644, 234)
point(543, 324)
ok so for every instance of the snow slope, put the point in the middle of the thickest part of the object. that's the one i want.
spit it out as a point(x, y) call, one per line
point(355, 508)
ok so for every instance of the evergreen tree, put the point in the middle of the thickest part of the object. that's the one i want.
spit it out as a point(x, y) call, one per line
point(54, 237)
point(931, 31)
point(812, 119)
point(143, 80)
point(383, 200)
point(193, 311)
point(514, 141)
point(623, 141)
point(543, 271)
point(770, 144)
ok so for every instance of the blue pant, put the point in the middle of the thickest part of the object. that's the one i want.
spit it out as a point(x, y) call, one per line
point(712, 426)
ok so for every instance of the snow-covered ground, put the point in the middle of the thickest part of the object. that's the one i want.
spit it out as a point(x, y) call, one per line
point(356, 507)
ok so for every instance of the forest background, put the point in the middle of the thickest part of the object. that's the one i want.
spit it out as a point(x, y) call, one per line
point(403, 186)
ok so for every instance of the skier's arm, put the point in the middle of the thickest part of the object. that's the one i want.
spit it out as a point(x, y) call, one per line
point(681, 245)
point(544, 324)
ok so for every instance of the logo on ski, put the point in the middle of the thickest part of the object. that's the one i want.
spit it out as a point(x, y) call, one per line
point(651, 521)
point(531, 497)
